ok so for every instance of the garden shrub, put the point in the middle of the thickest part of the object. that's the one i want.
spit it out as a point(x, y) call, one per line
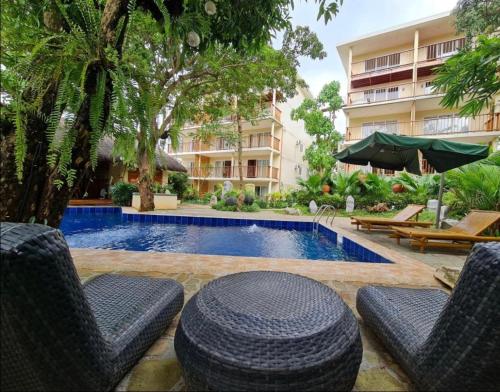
point(249, 199)
point(335, 200)
point(218, 190)
point(250, 208)
point(121, 193)
point(262, 203)
point(230, 201)
point(178, 183)
point(159, 188)
point(475, 186)
point(221, 206)
point(206, 197)
point(191, 194)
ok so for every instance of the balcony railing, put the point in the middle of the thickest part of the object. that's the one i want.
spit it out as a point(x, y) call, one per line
point(391, 93)
point(234, 172)
point(432, 125)
point(398, 61)
point(219, 144)
point(439, 51)
point(266, 112)
point(382, 64)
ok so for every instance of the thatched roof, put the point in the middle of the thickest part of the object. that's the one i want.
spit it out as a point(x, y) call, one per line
point(163, 161)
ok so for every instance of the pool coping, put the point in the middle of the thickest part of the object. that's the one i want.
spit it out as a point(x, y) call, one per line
point(415, 271)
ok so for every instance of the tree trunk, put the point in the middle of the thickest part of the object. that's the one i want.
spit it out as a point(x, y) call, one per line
point(240, 150)
point(145, 183)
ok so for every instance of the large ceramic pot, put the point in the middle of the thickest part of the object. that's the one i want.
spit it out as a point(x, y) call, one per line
point(398, 188)
point(325, 188)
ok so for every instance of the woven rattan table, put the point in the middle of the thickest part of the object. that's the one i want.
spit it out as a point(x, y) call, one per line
point(268, 331)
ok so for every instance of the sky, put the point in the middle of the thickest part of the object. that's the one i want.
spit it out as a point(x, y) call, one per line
point(356, 18)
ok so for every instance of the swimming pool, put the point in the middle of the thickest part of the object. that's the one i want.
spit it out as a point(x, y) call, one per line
point(103, 228)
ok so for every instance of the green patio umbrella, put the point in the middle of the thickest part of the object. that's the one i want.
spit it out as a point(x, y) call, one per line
point(393, 152)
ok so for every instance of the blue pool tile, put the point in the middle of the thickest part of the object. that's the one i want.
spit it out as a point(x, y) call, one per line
point(136, 217)
point(190, 220)
point(184, 220)
point(149, 219)
point(154, 218)
point(142, 218)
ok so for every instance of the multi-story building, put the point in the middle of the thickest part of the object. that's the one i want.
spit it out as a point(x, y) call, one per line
point(273, 150)
point(389, 75)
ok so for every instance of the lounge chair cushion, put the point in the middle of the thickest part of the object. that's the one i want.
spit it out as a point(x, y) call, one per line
point(402, 318)
point(131, 312)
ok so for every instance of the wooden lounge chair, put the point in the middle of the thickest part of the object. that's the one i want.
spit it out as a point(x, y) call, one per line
point(400, 219)
point(461, 236)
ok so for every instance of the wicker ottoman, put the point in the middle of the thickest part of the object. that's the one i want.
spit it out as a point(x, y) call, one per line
point(268, 331)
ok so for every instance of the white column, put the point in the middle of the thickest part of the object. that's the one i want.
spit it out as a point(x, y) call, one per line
point(414, 79)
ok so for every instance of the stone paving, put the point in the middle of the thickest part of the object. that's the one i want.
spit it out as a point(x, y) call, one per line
point(159, 369)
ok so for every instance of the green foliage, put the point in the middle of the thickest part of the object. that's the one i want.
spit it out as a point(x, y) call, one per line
point(230, 201)
point(192, 194)
point(121, 193)
point(471, 77)
point(254, 207)
point(178, 183)
point(312, 185)
point(262, 203)
point(159, 188)
point(52, 43)
point(378, 186)
point(474, 186)
point(427, 185)
point(225, 206)
point(318, 123)
point(249, 199)
point(474, 17)
point(346, 184)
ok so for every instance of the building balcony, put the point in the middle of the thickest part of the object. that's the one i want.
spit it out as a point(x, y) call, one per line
point(430, 56)
point(384, 69)
point(233, 172)
point(419, 89)
point(269, 111)
point(249, 142)
point(399, 65)
point(441, 126)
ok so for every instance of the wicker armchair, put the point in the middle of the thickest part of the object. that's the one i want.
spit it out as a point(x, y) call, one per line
point(58, 335)
point(443, 342)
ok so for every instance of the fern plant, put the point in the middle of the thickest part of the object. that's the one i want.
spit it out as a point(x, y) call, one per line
point(61, 56)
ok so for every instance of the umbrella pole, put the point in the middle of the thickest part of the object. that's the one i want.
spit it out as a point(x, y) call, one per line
point(440, 200)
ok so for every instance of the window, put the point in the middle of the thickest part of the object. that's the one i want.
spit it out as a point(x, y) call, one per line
point(222, 144)
point(381, 94)
point(382, 62)
point(369, 96)
point(428, 88)
point(261, 191)
point(447, 123)
point(369, 128)
point(444, 49)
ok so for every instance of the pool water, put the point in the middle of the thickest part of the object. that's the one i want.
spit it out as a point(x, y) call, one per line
point(109, 231)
